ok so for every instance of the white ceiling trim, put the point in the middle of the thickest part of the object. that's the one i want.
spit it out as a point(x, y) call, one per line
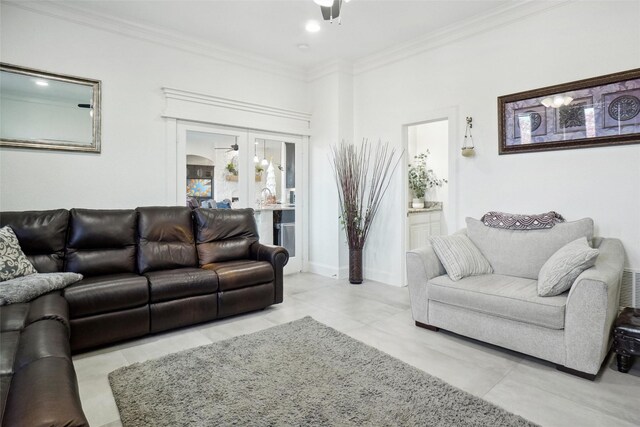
point(198, 107)
point(159, 36)
point(464, 29)
point(337, 66)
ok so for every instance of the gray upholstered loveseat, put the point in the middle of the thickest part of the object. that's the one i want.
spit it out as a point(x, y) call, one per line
point(571, 330)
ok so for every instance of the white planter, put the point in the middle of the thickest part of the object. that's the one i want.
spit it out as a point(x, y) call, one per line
point(417, 203)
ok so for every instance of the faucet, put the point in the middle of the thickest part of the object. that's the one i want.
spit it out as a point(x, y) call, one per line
point(263, 199)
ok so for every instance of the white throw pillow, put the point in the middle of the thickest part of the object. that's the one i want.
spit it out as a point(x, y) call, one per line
point(13, 262)
point(561, 270)
point(459, 256)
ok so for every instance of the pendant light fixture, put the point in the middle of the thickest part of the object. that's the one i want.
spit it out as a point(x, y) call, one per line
point(468, 146)
point(264, 162)
point(255, 152)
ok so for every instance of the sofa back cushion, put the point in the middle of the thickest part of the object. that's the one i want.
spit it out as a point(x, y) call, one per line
point(42, 236)
point(101, 242)
point(224, 234)
point(523, 253)
point(165, 238)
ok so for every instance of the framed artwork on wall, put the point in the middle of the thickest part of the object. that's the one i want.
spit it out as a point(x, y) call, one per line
point(595, 112)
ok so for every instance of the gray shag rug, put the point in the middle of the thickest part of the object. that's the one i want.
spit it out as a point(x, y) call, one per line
point(297, 374)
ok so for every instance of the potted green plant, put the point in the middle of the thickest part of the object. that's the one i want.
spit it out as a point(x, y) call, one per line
point(422, 179)
point(362, 175)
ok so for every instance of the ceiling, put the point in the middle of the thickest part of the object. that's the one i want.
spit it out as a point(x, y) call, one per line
point(274, 28)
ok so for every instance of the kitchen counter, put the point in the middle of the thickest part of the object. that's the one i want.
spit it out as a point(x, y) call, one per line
point(435, 206)
point(275, 208)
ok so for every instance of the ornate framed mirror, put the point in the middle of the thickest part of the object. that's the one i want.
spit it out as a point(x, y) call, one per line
point(48, 111)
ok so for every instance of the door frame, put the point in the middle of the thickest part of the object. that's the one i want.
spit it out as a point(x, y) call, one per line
point(245, 158)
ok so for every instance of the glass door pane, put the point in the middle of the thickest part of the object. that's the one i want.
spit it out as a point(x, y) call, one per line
point(214, 167)
point(274, 194)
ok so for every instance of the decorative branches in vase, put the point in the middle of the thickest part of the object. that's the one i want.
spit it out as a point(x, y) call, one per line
point(363, 175)
point(422, 179)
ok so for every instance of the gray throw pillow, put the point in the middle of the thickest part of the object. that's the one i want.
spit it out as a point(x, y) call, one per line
point(522, 253)
point(561, 270)
point(13, 262)
point(26, 288)
point(459, 256)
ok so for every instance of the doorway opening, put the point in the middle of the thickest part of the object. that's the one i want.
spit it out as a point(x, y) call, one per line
point(428, 143)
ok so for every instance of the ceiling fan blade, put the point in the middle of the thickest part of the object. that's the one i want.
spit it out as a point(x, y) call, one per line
point(84, 105)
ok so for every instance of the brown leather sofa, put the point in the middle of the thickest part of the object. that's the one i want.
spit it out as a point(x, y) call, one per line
point(145, 270)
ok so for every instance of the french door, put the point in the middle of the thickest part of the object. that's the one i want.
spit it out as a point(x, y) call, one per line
point(248, 169)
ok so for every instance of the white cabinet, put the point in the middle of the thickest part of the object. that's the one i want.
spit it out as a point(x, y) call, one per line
point(422, 225)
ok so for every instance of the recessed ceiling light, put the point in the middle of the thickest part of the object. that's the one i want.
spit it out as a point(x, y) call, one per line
point(303, 46)
point(41, 83)
point(312, 26)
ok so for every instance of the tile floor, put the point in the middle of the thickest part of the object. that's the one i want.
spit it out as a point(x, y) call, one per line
point(379, 315)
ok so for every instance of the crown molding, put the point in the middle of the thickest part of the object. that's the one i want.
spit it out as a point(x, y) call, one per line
point(216, 101)
point(336, 66)
point(152, 34)
point(496, 18)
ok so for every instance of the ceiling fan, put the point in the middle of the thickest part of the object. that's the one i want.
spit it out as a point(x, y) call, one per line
point(89, 106)
point(331, 9)
point(233, 147)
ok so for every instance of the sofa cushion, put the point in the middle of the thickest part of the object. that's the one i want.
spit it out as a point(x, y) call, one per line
point(522, 253)
point(503, 296)
point(42, 236)
point(561, 270)
point(103, 294)
point(224, 234)
point(241, 273)
point(179, 283)
point(165, 236)
point(459, 256)
point(101, 242)
point(13, 262)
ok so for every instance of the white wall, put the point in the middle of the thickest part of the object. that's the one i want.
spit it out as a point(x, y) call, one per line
point(574, 41)
point(133, 132)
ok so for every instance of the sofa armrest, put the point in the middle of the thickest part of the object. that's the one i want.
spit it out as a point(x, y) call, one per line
point(278, 257)
point(422, 265)
point(592, 307)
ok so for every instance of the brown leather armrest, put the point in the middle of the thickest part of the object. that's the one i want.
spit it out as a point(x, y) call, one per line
point(51, 306)
point(44, 392)
point(278, 257)
point(275, 255)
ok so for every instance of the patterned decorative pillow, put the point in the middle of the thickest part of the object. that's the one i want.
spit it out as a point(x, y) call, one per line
point(561, 270)
point(459, 256)
point(26, 288)
point(13, 262)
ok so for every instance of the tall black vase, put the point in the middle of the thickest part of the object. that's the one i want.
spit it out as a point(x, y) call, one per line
point(355, 266)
